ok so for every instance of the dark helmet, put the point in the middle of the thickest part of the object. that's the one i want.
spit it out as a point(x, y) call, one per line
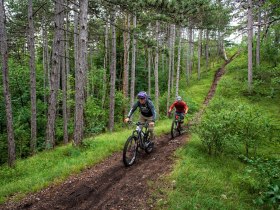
point(178, 98)
point(142, 95)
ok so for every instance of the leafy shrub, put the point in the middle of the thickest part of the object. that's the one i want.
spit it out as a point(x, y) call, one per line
point(228, 125)
point(268, 173)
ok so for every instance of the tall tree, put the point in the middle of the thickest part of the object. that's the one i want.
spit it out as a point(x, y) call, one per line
point(80, 74)
point(133, 63)
point(173, 39)
point(250, 38)
point(31, 47)
point(179, 62)
point(149, 66)
point(54, 75)
point(207, 50)
point(45, 55)
point(156, 69)
point(105, 62)
point(112, 73)
point(6, 89)
point(258, 38)
point(126, 42)
point(199, 53)
point(64, 83)
point(169, 69)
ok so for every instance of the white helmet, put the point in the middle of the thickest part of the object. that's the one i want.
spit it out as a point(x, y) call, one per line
point(178, 98)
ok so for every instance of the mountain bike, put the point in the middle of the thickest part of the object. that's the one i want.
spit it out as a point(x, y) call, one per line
point(177, 125)
point(140, 139)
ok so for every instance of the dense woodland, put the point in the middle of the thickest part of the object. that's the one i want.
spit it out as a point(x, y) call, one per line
point(72, 68)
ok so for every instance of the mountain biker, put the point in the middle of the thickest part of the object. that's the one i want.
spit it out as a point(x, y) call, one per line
point(181, 108)
point(147, 111)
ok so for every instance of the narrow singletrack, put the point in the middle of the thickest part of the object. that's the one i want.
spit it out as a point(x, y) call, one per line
point(110, 185)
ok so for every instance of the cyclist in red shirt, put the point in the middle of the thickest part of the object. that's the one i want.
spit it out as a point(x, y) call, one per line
point(181, 108)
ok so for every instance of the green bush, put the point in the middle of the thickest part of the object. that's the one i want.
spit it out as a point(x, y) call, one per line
point(267, 172)
point(233, 126)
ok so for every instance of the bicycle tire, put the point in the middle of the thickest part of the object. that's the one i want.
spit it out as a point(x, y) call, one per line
point(174, 129)
point(150, 148)
point(132, 146)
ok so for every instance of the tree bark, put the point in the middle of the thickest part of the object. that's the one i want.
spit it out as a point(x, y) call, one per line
point(250, 38)
point(64, 84)
point(126, 42)
point(80, 74)
point(149, 66)
point(133, 63)
point(169, 69)
point(31, 47)
point(173, 31)
point(68, 84)
point(6, 89)
point(112, 73)
point(156, 69)
point(45, 56)
point(207, 50)
point(54, 83)
point(105, 65)
point(76, 35)
point(258, 39)
point(179, 62)
point(199, 53)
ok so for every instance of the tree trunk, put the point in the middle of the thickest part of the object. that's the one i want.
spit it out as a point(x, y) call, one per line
point(199, 53)
point(156, 70)
point(133, 63)
point(31, 47)
point(169, 69)
point(207, 50)
point(258, 39)
point(6, 90)
point(80, 74)
point(149, 66)
point(126, 41)
point(250, 38)
point(45, 56)
point(112, 74)
point(149, 70)
point(64, 85)
point(173, 32)
point(189, 62)
point(105, 65)
point(58, 36)
point(68, 84)
point(76, 35)
point(179, 62)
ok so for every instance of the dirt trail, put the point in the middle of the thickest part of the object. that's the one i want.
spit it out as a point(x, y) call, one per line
point(109, 185)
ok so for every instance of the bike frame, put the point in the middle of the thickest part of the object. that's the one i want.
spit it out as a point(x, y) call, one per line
point(140, 134)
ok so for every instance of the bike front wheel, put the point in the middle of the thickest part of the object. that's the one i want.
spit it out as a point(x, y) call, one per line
point(130, 151)
point(174, 129)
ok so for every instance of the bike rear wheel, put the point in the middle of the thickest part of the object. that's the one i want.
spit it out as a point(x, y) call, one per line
point(174, 129)
point(130, 151)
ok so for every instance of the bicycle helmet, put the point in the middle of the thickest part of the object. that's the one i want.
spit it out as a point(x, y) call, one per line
point(178, 98)
point(142, 95)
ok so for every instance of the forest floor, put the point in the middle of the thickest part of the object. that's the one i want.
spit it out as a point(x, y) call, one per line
point(110, 185)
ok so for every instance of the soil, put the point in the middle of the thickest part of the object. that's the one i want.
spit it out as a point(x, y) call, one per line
point(110, 185)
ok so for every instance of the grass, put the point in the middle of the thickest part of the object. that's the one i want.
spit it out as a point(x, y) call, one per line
point(200, 181)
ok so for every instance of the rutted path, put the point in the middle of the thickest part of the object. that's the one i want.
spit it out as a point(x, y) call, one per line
point(109, 185)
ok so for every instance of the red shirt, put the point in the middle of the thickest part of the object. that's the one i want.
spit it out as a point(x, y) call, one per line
point(180, 106)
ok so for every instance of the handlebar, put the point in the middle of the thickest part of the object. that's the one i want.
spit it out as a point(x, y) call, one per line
point(146, 124)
